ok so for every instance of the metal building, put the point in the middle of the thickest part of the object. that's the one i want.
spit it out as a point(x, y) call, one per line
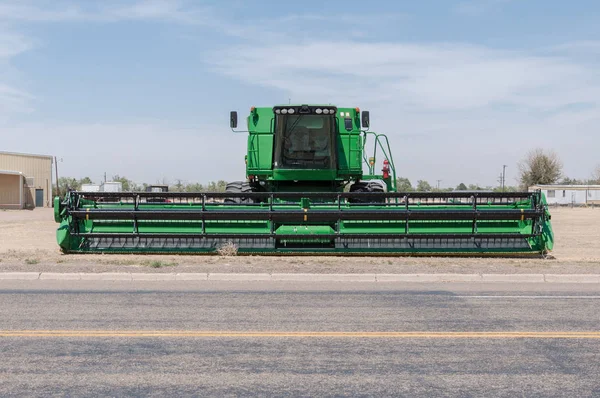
point(570, 194)
point(25, 180)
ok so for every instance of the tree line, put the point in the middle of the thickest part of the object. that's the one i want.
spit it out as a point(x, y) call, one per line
point(543, 167)
point(69, 183)
point(538, 167)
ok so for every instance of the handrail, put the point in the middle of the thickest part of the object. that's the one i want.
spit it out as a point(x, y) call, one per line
point(379, 138)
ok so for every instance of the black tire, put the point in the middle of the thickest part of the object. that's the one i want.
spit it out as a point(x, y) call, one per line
point(237, 187)
point(367, 186)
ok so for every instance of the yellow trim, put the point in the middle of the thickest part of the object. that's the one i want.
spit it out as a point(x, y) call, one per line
point(301, 334)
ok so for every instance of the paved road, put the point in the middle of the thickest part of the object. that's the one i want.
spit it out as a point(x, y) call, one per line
point(185, 339)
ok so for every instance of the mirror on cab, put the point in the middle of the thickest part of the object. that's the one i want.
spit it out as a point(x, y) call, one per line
point(365, 119)
point(233, 119)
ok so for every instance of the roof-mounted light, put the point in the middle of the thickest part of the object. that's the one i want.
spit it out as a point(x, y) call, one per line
point(284, 111)
point(318, 111)
point(278, 111)
point(326, 111)
point(291, 111)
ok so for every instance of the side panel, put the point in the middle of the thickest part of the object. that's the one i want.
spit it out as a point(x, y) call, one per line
point(349, 143)
point(260, 142)
point(349, 148)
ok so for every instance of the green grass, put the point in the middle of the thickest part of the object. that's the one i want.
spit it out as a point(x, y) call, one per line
point(31, 261)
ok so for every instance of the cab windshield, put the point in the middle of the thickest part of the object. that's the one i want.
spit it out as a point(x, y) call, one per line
point(304, 141)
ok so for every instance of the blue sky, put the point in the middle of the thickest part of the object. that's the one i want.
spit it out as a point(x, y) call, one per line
point(143, 88)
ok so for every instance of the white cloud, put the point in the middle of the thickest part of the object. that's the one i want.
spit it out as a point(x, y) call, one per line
point(12, 44)
point(105, 11)
point(479, 7)
point(451, 109)
point(12, 98)
point(167, 10)
point(145, 152)
point(428, 76)
point(24, 11)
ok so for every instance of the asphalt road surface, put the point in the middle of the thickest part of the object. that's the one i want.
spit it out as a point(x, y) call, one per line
point(298, 339)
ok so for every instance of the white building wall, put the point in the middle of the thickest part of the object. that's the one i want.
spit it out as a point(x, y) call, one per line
point(566, 196)
point(594, 196)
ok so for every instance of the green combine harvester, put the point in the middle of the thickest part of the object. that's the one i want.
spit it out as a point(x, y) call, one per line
point(306, 192)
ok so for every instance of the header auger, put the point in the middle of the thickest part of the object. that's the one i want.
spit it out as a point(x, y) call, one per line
point(299, 161)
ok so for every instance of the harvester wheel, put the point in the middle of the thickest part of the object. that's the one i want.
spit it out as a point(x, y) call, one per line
point(367, 186)
point(237, 187)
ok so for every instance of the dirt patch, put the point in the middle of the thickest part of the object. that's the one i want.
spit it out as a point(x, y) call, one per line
point(27, 242)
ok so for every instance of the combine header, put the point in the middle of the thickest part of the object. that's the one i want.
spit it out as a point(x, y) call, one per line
point(300, 159)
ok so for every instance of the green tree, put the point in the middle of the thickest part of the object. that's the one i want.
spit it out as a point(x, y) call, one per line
point(596, 176)
point(474, 187)
point(221, 185)
point(85, 180)
point(539, 167)
point(211, 186)
point(423, 186)
point(571, 181)
point(67, 184)
point(403, 184)
point(178, 187)
point(195, 187)
point(507, 188)
point(461, 187)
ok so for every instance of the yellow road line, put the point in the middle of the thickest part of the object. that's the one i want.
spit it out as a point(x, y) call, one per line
point(276, 334)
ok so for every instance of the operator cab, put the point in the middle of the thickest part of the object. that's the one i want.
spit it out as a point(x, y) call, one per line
point(304, 137)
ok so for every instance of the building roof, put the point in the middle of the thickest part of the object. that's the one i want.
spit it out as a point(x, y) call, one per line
point(33, 155)
point(565, 187)
point(17, 173)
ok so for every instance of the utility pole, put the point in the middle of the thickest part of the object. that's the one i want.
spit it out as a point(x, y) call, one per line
point(503, 176)
point(438, 184)
point(56, 175)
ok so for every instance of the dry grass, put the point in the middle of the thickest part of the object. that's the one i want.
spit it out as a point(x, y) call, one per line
point(158, 263)
point(30, 235)
point(228, 249)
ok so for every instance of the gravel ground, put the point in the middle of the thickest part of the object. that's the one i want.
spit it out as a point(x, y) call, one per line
point(27, 243)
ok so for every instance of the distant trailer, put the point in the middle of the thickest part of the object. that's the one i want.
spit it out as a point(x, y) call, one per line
point(578, 195)
point(111, 186)
point(90, 188)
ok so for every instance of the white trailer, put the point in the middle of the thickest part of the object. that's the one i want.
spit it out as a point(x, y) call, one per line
point(580, 195)
point(90, 187)
point(112, 186)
